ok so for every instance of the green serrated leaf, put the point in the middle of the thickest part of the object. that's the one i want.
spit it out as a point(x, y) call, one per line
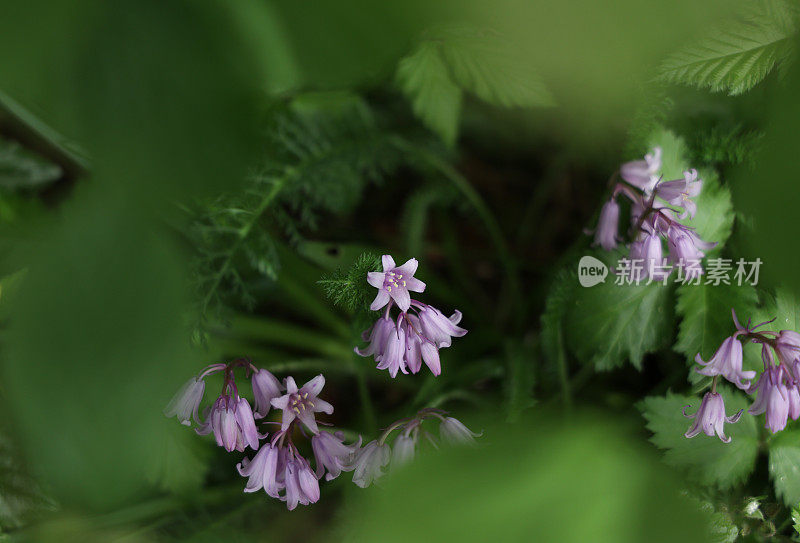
point(609, 324)
point(485, 64)
point(796, 518)
point(461, 58)
point(706, 320)
point(787, 311)
point(737, 55)
point(435, 98)
point(707, 459)
point(784, 465)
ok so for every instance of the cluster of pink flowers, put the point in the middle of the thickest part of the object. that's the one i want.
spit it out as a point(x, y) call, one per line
point(777, 388)
point(402, 344)
point(277, 465)
point(657, 207)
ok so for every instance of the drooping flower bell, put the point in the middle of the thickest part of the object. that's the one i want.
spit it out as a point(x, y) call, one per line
point(369, 462)
point(263, 471)
point(454, 432)
point(394, 283)
point(331, 454)
point(302, 403)
point(266, 388)
point(438, 328)
point(642, 173)
point(710, 418)
point(376, 337)
point(787, 345)
point(186, 401)
point(404, 448)
point(681, 191)
point(419, 347)
point(605, 234)
point(727, 362)
point(649, 253)
point(232, 422)
point(772, 399)
point(302, 486)
point(393, 356)
point(683, 253)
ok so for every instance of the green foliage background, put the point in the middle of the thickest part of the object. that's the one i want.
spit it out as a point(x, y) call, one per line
point(188, 182)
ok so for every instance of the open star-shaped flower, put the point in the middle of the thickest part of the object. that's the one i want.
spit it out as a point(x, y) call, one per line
point(302, 403)
point(394, 282)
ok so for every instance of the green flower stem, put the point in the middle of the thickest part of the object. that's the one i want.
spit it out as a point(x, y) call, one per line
point(483, 211)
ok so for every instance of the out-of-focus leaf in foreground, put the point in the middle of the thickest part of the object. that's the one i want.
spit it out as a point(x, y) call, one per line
point(767, 197)
point(531, 485)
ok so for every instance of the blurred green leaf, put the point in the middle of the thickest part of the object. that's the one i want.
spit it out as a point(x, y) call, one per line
point(530, 481)
point(94, 351)
point(435, 98)
point(766, 199)
point(737, 54)
point(180, 461)
point(784, 464)
point(706, 459)
point(787, 311)
point(489, 66)
point(553, 348)
point(453, 59)
point(519, 379)
point(20, 168)
point(21, 497)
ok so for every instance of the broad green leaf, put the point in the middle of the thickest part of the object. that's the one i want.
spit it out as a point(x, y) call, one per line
point(608, 324)
point(796, 518)
point(528, 482)
point(706, 319)
point(179, 461)
point(784, 465)
point(462, 58)
point(485, 64)
point(787, 311)
point(707, 459)
point(737, 55)
point(435, 98)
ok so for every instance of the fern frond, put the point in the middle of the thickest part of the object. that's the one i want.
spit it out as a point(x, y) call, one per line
point(349, 289)
point(317, 162)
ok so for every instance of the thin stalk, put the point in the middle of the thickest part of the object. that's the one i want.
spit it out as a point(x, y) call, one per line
point(363, 394)
point(563, 371)
point(483, 211)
